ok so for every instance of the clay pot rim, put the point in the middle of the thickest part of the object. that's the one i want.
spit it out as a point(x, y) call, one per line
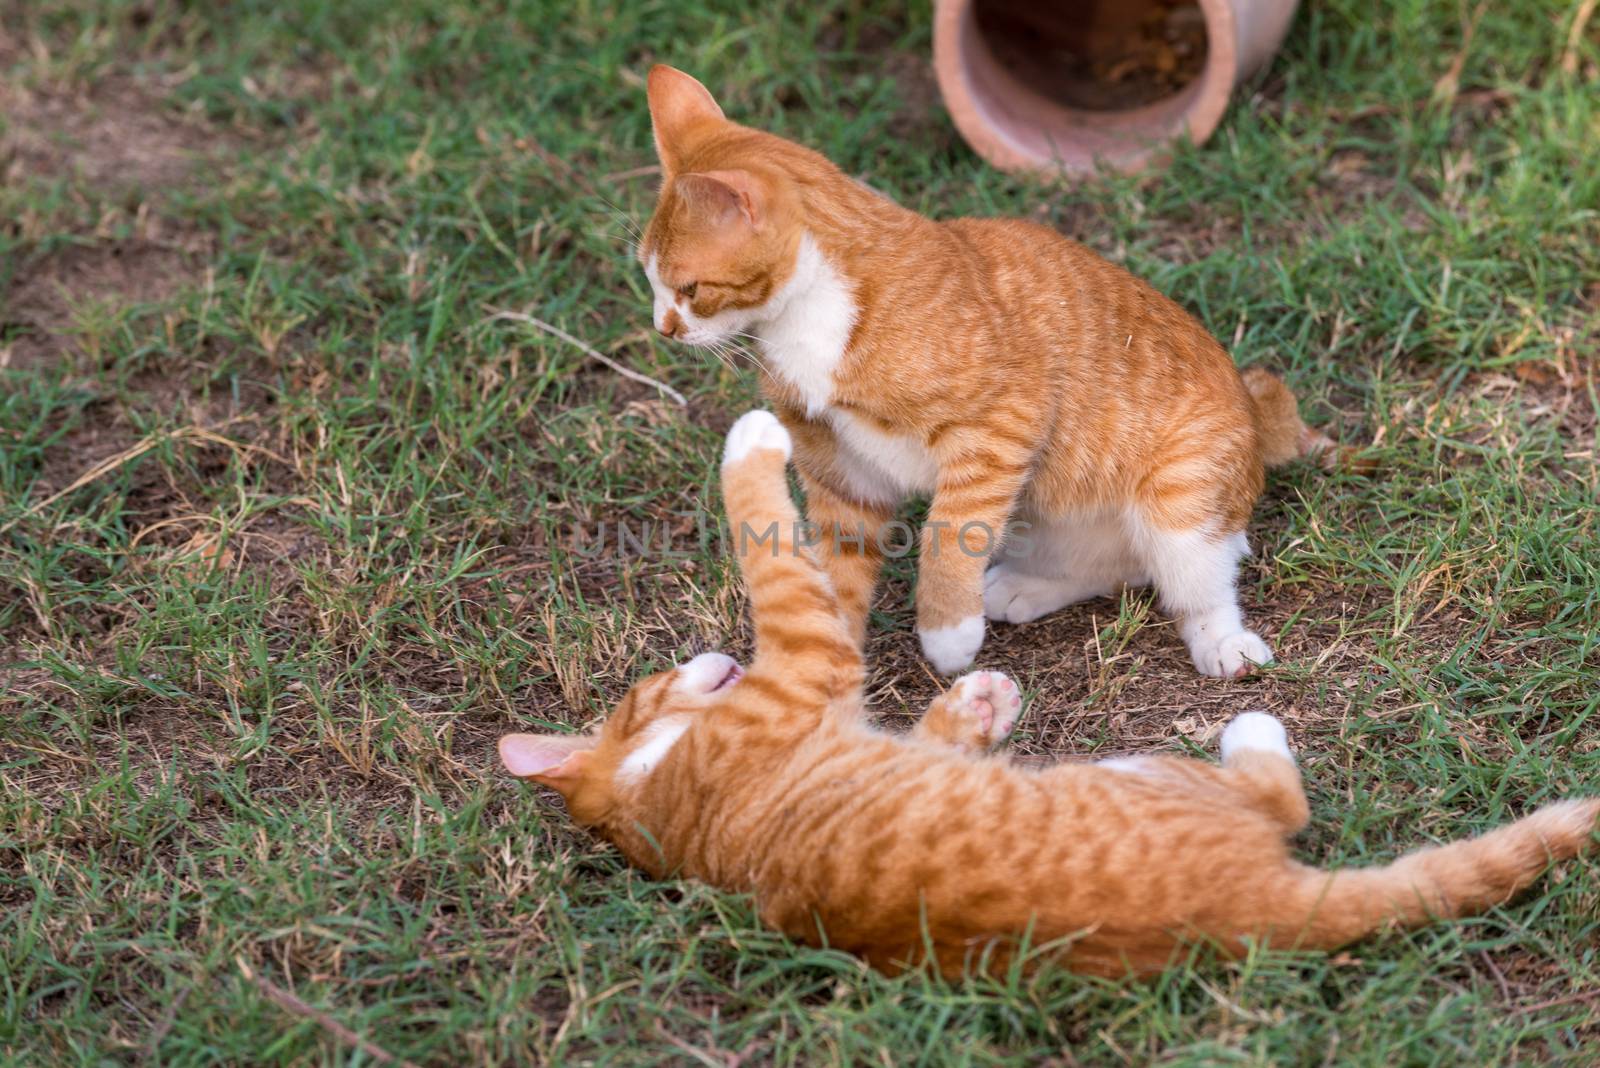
point(1127, 140)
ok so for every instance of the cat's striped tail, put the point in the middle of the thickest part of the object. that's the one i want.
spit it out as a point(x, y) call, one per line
point(1282, 433)
point(1440, 882)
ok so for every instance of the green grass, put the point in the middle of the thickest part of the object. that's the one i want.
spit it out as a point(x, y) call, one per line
point(252, 674)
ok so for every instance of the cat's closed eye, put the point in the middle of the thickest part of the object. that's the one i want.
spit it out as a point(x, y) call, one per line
point(688, 291)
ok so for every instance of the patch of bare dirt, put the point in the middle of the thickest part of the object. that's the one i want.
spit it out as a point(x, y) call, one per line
point(114, 135)
point(52, 296)
point(118, 142)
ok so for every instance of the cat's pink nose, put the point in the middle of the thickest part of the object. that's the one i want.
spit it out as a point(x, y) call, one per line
point(671, 324)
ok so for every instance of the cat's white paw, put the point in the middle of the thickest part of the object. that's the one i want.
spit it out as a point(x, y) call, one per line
point(1229, 656)
point(990, 701)
point(1255, 730)
point(1012, 596)
point(759, 429)
point(949, 649)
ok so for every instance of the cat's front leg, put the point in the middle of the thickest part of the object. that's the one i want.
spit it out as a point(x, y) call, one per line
point(976, 493)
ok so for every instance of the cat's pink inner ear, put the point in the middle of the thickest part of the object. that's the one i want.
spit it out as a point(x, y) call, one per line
point(677, 103)
point(540, 755)
point(724, 196)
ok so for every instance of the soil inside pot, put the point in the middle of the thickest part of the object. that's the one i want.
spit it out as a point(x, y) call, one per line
point(1101, 56)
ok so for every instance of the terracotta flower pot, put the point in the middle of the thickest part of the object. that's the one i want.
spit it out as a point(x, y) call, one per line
point(1040, 86)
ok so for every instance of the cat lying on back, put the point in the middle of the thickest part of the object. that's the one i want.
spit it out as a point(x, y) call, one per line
point(1012, 374)
point(769, 781)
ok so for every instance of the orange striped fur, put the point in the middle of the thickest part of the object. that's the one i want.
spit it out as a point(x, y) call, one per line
point(1010, 373)
point(905, 849)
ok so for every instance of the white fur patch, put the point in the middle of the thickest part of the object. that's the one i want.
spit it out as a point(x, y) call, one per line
point(883, 467)
point(806, 326)
point(755, 430)
point(1255, 730)
point(1132, 765)
point(949, 649)
point(659, 738)
point(664, 298)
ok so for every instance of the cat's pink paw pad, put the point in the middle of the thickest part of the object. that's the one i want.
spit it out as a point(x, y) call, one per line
point(755, 430)
point(993, 702)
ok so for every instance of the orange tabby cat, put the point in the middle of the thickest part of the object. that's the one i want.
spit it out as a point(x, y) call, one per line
point(768, 781)
point(1019, 378)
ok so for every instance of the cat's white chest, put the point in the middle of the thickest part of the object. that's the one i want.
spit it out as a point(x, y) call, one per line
point(886, 468)
point(804, 341)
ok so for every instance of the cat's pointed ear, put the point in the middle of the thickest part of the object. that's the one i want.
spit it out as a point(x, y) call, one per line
point(556, 760)
point(722, 197)
point(677, 103)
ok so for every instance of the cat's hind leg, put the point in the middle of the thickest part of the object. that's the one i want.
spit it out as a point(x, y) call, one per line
point(1186, 524)
point(978, 712)
point(1194, 572)
point(1256, 757)
point(1051, 563)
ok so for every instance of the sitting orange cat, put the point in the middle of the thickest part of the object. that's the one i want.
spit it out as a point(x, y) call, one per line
point(1013, 374)
point(769, 781)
